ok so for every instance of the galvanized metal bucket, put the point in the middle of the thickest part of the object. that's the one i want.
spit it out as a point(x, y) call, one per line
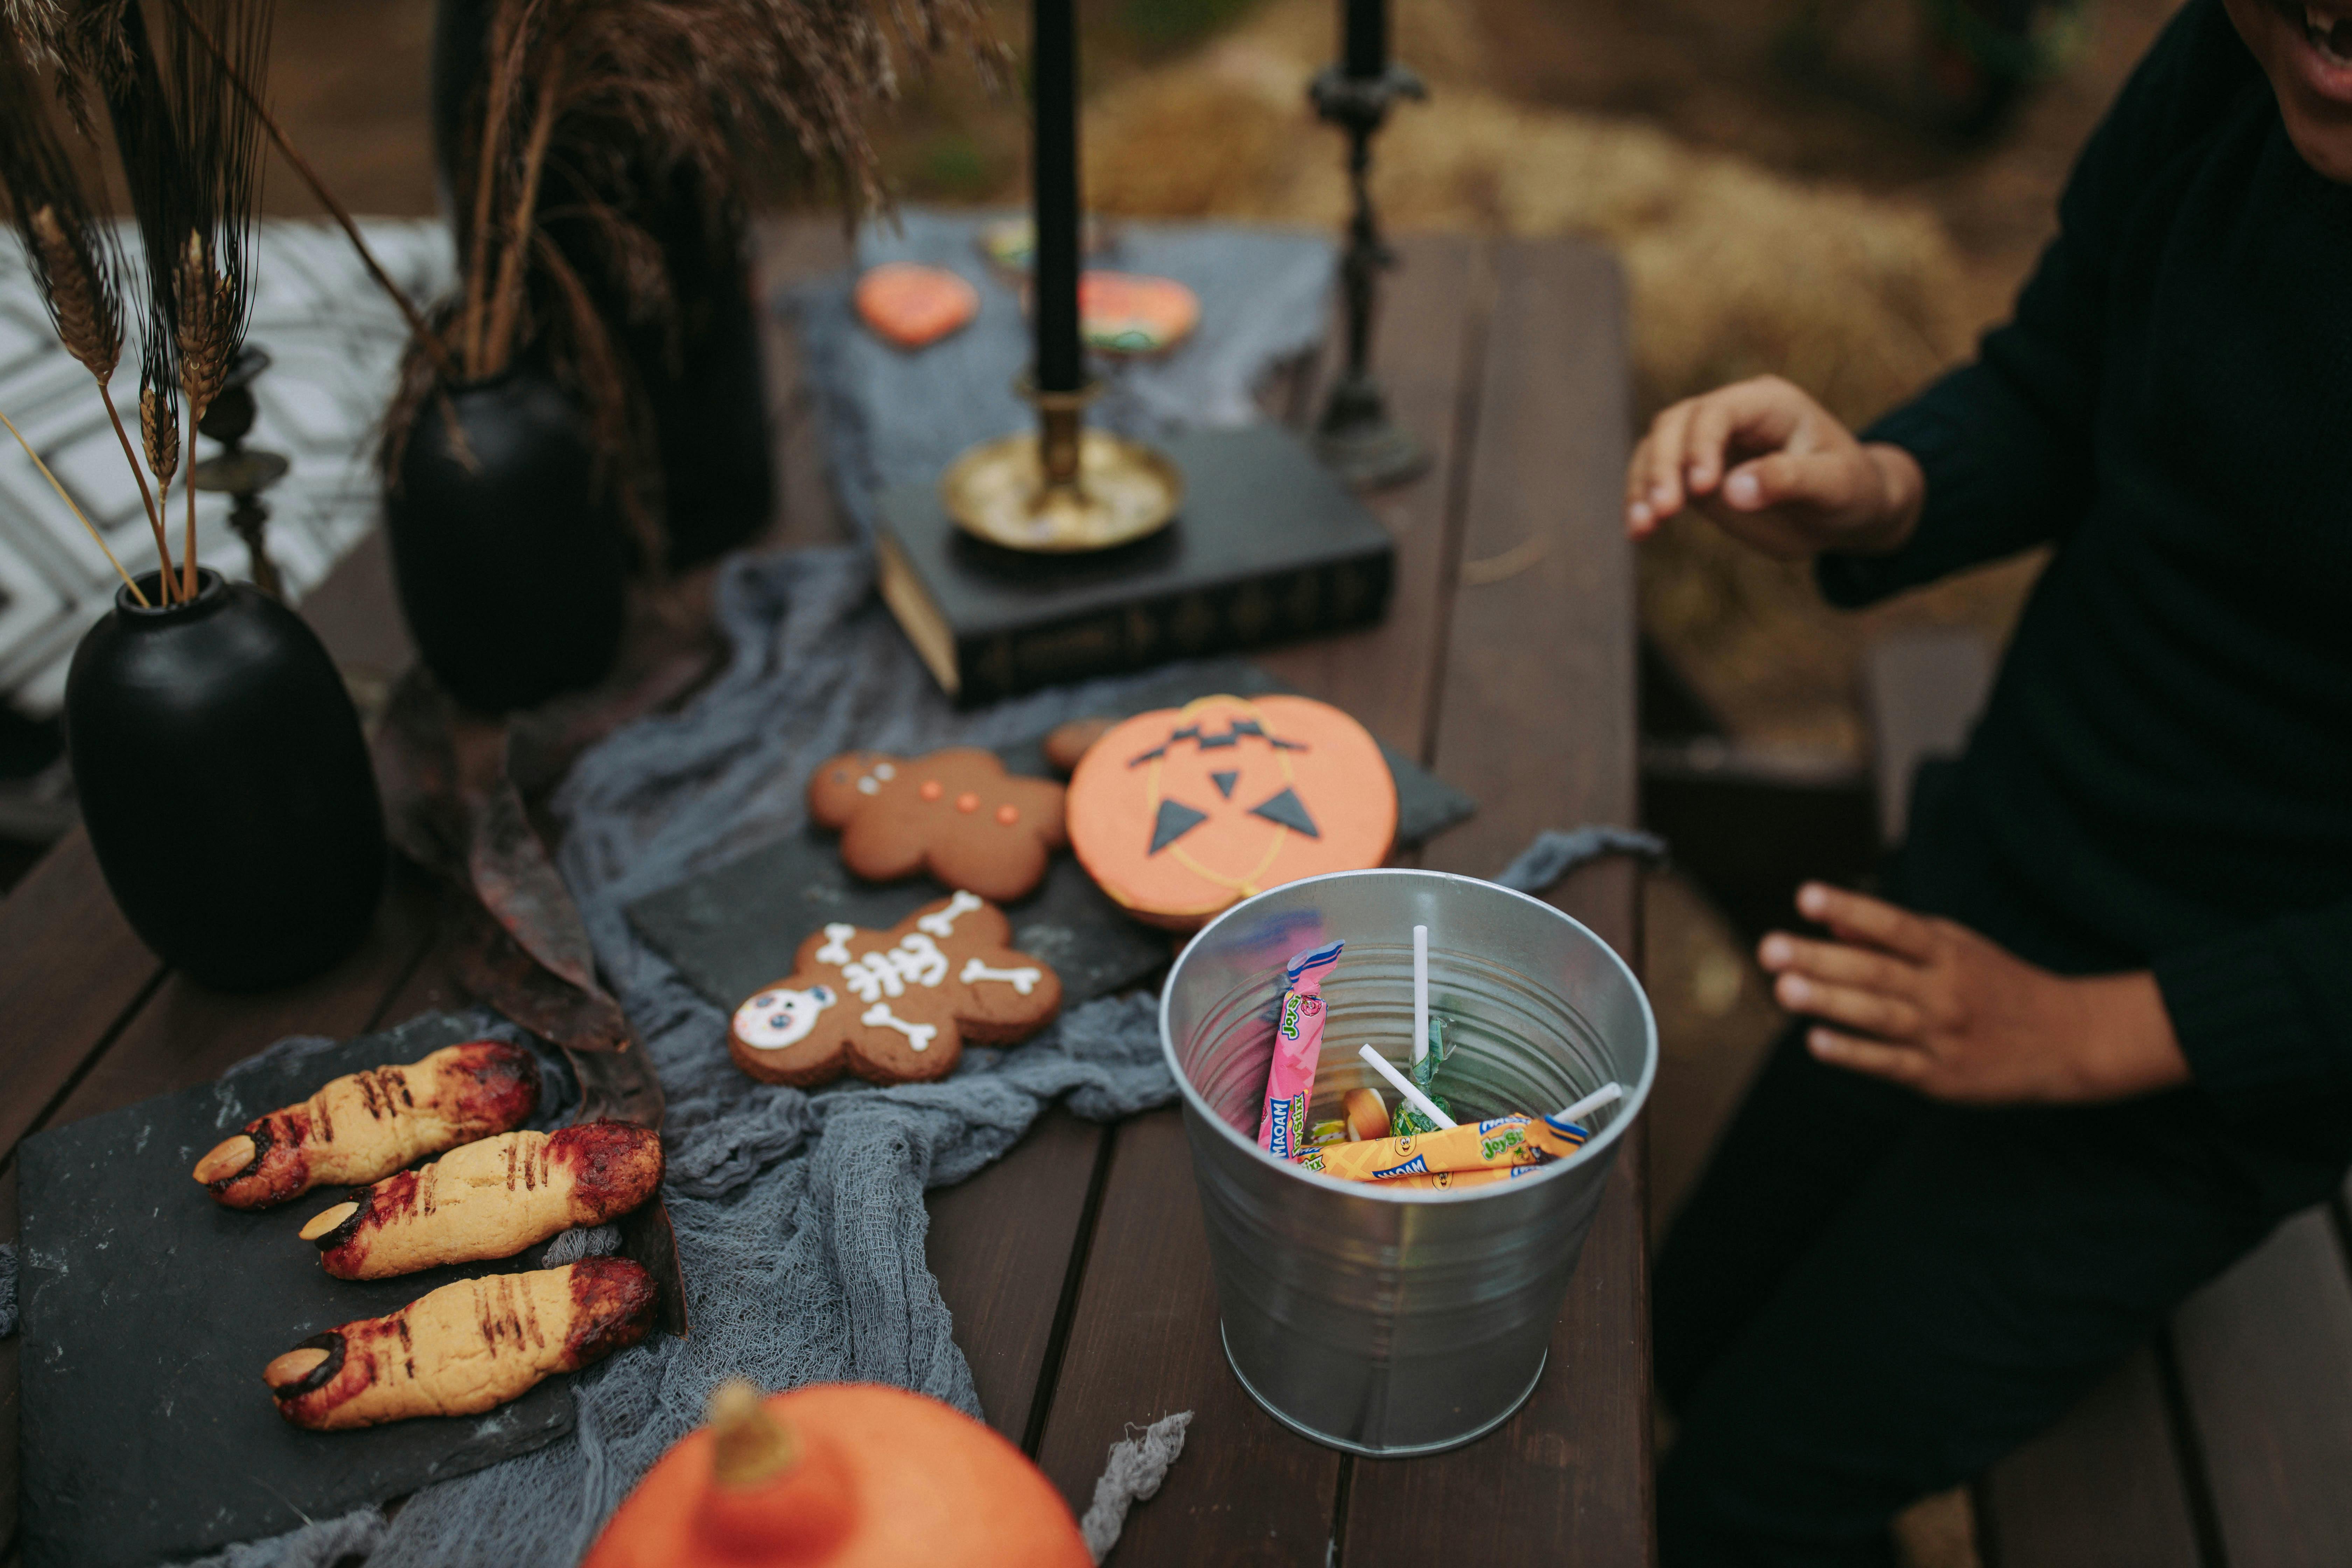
point(1372, 1320)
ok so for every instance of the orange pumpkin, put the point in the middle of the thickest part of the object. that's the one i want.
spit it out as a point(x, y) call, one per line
point(840, 1475)
point(1180, 813)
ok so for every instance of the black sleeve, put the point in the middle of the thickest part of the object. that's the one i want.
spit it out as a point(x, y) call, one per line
point(2266, 1012)
point(2005, 441)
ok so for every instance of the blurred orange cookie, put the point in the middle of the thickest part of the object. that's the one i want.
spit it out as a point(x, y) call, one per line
point(1126, 313)
point(914, 305)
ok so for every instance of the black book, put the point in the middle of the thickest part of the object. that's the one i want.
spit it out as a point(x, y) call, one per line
point(1267, 546)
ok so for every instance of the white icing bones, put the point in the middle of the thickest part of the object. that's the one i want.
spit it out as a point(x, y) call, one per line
point(775, 1019)
point(918, 1036)
point(887, 972)
point(836, 944)
point(1022, 980)
point(940, 923)
point(780, 1017)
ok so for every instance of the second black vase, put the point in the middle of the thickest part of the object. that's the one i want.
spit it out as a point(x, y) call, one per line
point(699, 375)
point(507, 549)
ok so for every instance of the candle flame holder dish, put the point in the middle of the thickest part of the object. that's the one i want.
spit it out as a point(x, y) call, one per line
point(1065, 489)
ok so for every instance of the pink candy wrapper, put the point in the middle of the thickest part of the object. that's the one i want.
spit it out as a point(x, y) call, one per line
point(1297, 1047)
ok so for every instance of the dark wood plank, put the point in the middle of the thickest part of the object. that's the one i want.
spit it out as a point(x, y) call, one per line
point(1383, 673)
point(2265, 1359)
point(1922, 689)
point(1536, 721)
point(71, 973)
point(1536, 712)
point(11, 1406)
point(186, 1034)
point(1144, 1343)
point(786, 251)
point(2103, 1488)
point(356, 615)
point(1001, 1247)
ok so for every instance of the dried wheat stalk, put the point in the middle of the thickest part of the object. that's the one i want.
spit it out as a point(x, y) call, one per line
point(245, 90)
point(191, 146)
point(607, 101)
point(75, 261)
point(74, 507)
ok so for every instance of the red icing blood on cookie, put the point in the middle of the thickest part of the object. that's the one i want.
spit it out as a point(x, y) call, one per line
point(1008, 815)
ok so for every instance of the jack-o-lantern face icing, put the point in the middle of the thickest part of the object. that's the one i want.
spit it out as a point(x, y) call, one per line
point(897, 1006)
point(1180, 813)
point(955, 814)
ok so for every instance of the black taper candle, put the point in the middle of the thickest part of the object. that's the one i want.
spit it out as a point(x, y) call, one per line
point(1365, 24)
point(1054, 88)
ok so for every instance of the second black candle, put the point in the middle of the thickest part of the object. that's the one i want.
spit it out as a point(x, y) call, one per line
point(1364, 37)
point(1054, 88)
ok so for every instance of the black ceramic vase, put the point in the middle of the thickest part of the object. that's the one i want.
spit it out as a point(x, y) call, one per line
point(700, 374)
point(225, 784)
point(509, 555)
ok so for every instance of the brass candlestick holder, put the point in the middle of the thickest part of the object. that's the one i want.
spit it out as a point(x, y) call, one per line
point(1064, 489)
point(240, 474)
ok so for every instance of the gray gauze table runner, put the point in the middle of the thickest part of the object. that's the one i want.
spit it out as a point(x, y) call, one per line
point(800, 1217)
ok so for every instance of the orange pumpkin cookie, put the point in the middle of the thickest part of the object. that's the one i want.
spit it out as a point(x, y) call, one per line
point(956, 814)
point(894, 1006)
point(1180, 813)
point(914, 305)
point(1135, 317)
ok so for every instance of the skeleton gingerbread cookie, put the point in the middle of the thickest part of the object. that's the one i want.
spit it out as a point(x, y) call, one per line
point(894, 1006)
point(956, 814)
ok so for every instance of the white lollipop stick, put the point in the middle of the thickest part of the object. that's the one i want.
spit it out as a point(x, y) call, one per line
point(1420, 992)
point(1607, 1094)
point(1404, 1085)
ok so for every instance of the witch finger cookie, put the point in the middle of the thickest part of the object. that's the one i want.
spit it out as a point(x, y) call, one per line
point(897, 1006)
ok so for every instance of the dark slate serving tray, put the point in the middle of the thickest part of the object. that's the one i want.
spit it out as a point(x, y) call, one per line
point(732, 929)
point(149, 1311)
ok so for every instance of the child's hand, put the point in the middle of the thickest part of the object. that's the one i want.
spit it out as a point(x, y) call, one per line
point(1932, 1005)
point(1773, 468)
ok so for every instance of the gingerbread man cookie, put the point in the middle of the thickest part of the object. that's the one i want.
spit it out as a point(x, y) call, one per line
point(956, 814)
point(894, 1006)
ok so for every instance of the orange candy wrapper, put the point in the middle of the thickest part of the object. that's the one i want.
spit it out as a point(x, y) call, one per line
point(1492, 1149)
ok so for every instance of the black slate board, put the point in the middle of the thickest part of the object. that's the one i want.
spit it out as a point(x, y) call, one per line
point(149, 1311)
point(732, 929)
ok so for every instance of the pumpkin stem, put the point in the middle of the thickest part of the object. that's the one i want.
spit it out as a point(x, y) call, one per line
point(751, 1446)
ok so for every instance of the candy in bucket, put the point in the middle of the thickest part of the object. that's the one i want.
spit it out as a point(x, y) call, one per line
point(1297, 1049)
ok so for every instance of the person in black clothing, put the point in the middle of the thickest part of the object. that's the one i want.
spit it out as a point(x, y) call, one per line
point(2098, 1041)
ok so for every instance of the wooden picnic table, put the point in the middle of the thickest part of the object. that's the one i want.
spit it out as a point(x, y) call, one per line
point(1076, 1269)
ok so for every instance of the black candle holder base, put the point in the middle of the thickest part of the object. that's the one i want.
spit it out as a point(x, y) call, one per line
point(1358, 441)
point(1355, 438)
